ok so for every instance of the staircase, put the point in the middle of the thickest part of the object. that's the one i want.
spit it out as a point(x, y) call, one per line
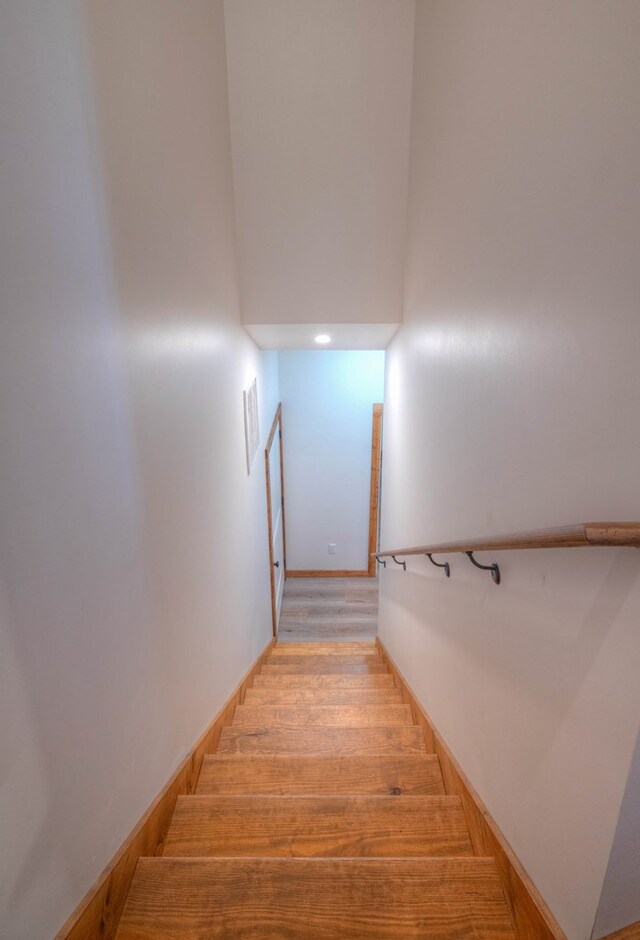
point(320, 815)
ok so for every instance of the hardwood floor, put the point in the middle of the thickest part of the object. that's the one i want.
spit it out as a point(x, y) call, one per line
point(307, 776)
point(336, 609)
point(316, 899)
point(318, 827)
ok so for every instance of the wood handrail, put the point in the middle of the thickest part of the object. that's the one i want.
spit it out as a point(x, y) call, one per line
point(583, 535)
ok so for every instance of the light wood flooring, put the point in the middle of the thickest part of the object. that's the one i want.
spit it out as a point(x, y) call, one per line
point(316, 609)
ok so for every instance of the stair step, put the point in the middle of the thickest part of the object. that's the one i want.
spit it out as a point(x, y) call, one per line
point(324, 649)
point(321, 776)
point(323, 697)
point(327, 659)
point(332, 741)
point(355, 629)
point(322, 668)
point(321, 826)
point(318, 899)
point(321, 716)
point(311, 681)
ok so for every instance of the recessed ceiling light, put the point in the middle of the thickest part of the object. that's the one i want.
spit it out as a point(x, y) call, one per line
point(323, 339)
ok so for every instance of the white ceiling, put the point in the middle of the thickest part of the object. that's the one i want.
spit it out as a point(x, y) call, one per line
point(320, 101)
point(302, 335)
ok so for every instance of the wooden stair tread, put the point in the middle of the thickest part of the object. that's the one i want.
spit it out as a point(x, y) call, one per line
point(322, 649)
point(265, 775)
point(319, 899)
point(354, 629)
point(311, 681)
point(336, 741)
point(321, 716)
point(321, 667)
point(327, 659)
point(301, 696)
point(329, 826)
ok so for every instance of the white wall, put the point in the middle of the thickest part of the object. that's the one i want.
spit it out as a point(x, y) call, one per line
point(134, 578)
point(320, 94)
point(511, 403)
point(327, 399)
point(620, 900)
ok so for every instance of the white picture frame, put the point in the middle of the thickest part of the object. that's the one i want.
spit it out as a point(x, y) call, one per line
point(251, 424)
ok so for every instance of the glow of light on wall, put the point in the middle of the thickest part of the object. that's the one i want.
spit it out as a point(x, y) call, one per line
point(179, 343)
point(468, 343)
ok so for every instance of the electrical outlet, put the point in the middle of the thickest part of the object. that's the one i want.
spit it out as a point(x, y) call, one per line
point(332, 548)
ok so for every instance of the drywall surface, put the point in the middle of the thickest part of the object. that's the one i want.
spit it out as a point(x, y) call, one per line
point(327, 400)
point(320, 97)
point(511, 403)
point(620, 901)
point(134, 577)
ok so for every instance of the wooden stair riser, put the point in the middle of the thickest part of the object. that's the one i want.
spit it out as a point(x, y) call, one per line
point(321, 716)
point(324, 649)
point(328, 669)
point(321, 776)
point(327, 741)
point(331, 827)
point(319, 663)
point(323, 697)
point(309, 681)
point(354, 630)
point(319, 899)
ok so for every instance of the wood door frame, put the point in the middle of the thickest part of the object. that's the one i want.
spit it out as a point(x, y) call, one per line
point(374, 510)
point(276, 426)
point(374, 493)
